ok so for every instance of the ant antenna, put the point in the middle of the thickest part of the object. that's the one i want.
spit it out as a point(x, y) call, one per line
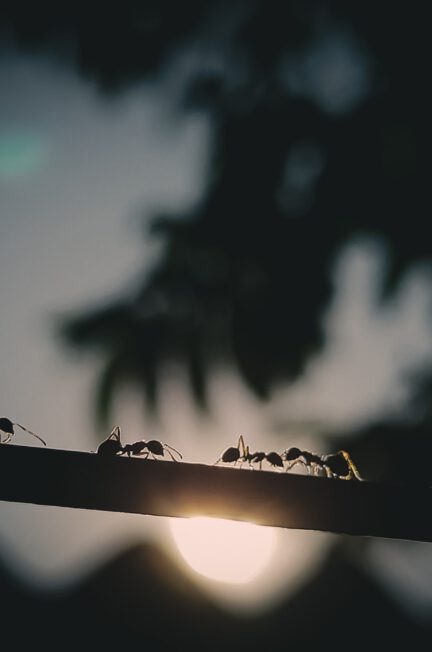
point(31, 433)
point(175, 450)
point(244, 449)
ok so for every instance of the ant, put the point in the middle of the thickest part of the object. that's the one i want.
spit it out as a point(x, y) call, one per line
point(153, 446)
point(112, 446)
point(7, 426)
point(242, 453)
point(336, 465)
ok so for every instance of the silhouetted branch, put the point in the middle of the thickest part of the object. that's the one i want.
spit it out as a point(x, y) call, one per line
point(162, 488)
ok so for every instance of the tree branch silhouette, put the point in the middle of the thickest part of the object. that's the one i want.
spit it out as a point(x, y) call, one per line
point(179, 489)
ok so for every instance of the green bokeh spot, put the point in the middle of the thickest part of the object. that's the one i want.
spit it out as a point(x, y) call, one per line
point(20, 154)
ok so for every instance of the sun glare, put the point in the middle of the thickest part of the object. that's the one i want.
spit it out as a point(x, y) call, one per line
point(227, 551)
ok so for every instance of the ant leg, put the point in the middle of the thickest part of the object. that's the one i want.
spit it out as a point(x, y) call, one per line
point(353, 471)
point(143, 453)
point(291, 464)
point(318, 468)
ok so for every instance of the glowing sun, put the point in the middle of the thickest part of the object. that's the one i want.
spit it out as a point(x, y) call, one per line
point(228, 551)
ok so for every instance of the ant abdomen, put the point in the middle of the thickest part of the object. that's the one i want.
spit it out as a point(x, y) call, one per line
point(274, 459)
point(234, 453)
point(112, 444)
point(231, 454)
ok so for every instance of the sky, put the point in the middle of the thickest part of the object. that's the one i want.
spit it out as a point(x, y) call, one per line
point(78, 175)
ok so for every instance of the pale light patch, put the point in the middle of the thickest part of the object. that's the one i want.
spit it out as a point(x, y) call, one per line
point(227, 551)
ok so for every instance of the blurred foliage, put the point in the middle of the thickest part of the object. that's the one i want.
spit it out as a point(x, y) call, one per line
point(319, 118)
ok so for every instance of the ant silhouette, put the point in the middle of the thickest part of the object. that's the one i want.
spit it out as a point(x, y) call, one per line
point(112, 446)
point(241, 453)
point(7, 426)
point(154, 447)
point(335, 465)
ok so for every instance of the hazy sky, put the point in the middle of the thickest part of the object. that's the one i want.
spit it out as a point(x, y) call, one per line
point(77, 176)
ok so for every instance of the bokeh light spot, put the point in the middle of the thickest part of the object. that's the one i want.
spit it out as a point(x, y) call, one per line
point(227, 551)
point(20, 153)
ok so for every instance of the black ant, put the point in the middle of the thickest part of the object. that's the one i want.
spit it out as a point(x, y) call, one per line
point(112, 446)
point(336, 465)
point(242, 453)
point(7, 426)
point(153, 446)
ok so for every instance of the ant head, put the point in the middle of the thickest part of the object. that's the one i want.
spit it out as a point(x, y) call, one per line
point(338, 464)
point(154, 446)
point(231, 454)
